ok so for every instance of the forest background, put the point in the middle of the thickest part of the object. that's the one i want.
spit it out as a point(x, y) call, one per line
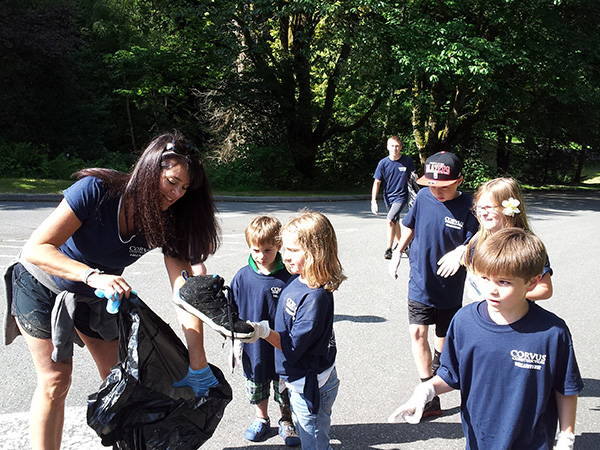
point(302, 94)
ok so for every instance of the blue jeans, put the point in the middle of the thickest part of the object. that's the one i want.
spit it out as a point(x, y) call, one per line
point(313, 429)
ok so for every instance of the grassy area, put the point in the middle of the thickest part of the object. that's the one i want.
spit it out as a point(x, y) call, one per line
point(44, 186)
point(32, 186)
point(591, 174)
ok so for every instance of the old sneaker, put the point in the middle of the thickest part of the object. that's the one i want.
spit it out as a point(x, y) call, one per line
point(204, 297)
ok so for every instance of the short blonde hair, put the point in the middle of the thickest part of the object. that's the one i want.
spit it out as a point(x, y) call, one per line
point(263, 230)
point(316, 236)
point(513, 252)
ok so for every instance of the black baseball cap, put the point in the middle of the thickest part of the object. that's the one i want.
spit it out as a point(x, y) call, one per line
point(441, 169)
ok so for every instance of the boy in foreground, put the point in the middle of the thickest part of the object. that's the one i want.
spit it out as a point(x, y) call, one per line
point(256, 288)
point(439, 221)
point(512, 360)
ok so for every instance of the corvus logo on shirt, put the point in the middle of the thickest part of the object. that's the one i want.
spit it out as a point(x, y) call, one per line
point(136, 251)
point(291, 307)
point(453, 223)
point(528, 360)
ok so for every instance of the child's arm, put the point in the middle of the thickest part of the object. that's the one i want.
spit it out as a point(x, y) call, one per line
point(543, 290)
point(274, 339)
point(412, 410)
point(406, 235)
point(263, 331)
point(567, 410)
point(451, 261)
point(374, 191)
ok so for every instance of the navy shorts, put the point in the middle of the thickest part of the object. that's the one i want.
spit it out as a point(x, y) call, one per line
point(32, 307)
point(395, 210)
point(420, 314)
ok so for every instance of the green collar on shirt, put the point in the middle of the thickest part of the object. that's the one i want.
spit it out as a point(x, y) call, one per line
point(278, 266)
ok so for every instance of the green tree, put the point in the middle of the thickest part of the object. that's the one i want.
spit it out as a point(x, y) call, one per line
point(45, 97)
point(481, 69)
point(302, 72)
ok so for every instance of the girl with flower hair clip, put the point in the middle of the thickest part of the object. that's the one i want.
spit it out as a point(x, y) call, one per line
point(498, 204)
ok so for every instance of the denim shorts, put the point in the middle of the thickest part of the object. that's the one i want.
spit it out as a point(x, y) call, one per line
point(32, 307)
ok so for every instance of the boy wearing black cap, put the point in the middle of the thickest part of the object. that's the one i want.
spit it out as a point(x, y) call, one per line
point(439, 221)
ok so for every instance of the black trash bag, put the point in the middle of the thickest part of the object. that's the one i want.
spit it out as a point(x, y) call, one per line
point(137, 407)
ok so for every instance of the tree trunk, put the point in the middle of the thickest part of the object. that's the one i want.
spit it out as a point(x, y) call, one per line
point(581, 157)
point(502, 154)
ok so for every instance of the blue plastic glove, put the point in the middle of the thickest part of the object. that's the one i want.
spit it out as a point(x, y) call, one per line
point(112, 300)
point(200, 381)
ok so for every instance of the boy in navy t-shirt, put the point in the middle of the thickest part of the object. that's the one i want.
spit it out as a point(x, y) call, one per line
point(512, 360)
point(439, 221)
point(256, 288)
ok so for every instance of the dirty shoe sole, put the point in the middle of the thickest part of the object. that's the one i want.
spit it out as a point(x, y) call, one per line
point(211, 323)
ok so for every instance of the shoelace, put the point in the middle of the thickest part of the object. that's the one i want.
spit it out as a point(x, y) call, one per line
point(229, 310)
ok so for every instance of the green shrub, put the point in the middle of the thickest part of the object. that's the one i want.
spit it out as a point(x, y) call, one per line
point(256, 168)
point(22, 159)
point(63, 167)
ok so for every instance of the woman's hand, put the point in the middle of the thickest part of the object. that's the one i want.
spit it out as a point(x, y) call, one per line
point(109, 284)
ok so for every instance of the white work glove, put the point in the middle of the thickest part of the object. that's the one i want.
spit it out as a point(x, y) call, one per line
point(261, 330)
point(564, 441)
point(412, 410)
point(451, 261)
point(374, 207)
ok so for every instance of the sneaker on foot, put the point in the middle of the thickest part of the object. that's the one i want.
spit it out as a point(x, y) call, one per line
point(258, 430)
point(432, 408)
point(388, 254)
point(203, 296)
point(288, 432)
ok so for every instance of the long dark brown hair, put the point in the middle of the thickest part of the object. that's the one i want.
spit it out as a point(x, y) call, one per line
point(188, 229)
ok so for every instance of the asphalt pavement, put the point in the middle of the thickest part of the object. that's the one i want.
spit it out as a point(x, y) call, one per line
point(374, 362)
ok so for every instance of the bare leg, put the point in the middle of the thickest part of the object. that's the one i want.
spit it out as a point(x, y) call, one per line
point(48, 402)
point(262, 409)
point(421, 350)
point(105, 353)
point(193, 331)
point(393, 233)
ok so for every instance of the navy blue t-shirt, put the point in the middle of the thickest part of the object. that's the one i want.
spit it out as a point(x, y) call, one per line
point(304, 321)
point(508, 375)
point(394, 176)
point(97, 242)
point(256, 296)
point(439, 227)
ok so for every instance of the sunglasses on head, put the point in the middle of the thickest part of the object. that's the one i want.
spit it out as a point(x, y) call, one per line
point(181, 148)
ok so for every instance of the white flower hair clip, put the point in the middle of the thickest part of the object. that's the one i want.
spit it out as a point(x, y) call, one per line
point(511, 207)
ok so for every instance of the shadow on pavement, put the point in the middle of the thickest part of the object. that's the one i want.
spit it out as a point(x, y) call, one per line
point(359, 319)
point(373, 435)
point(587, 441)
point(591, 388)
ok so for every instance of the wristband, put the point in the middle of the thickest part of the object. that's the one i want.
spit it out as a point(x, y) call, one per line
point(88, 273)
